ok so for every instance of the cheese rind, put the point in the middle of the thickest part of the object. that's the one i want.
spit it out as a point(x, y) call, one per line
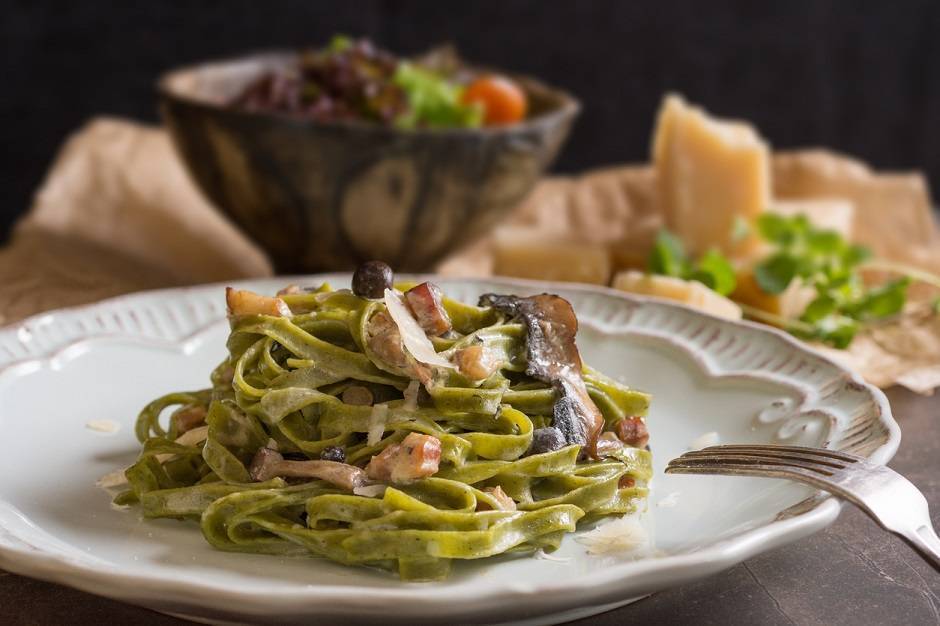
point(710, 173)
point(689, 292)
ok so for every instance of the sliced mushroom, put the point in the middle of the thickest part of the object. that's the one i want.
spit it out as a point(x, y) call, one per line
point(243, 302)
point(357, 395)
point(269, 463)
point(417, 456)
point(189, 417)
point(553, 357)
point(425, 303)
point(384, 339)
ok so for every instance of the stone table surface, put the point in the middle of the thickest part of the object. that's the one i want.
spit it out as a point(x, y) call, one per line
point(852, 573)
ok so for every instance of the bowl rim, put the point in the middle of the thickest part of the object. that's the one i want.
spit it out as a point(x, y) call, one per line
point(568, 106)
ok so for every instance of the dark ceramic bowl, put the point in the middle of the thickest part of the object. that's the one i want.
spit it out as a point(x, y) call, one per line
point(326, 196)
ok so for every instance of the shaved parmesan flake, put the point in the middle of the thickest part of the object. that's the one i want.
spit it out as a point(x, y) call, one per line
point(669, 501)
point(323, 296)
point(370, 491)
point(412, 335)
point(103, 426)
point(112, 480)
point(623, 535)
point(411, 396)
point(189, 438)
point(542, 555)
point(705, 440)
point(194, 436)
point(377, 424)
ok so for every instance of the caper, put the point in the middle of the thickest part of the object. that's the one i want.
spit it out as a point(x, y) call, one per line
point(371, 279)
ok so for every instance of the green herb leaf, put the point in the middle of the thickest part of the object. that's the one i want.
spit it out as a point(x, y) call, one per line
point(776, 228)
point(824, 241)
point(668, 256)
point(716, 272)
point(774, 274)
point(339, 43)
point(433, 100)
point(837, 330)
point(818, 309)
point(856, 255)
point(825, 261)
point(881, 302)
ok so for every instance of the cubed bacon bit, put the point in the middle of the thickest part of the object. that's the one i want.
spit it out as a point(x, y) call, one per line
point(503, 501)
point(418, 456)
point(626, 482)
point(425, 304)
point(475, 362)
point(243, 302)
point(632, 431)
point(189, 417)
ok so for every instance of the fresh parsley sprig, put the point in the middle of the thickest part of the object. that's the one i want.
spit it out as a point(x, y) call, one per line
point(823, 260)
point(669, 258)
point(812, 257)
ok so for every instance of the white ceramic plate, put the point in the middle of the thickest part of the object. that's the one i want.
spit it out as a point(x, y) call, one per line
point(59, 371)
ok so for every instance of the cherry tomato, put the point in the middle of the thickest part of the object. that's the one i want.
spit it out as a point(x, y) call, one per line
point(504, 102)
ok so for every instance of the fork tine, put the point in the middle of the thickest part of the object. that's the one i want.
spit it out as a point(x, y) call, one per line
point(806, 459)
point(764, 471)
point(824, 452)
point(744, 460)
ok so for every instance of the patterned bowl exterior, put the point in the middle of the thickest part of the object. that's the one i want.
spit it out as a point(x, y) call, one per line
point(321, 196)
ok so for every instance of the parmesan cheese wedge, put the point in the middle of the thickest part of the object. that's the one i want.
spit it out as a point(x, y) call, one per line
point(528, 253)
point(710, 174)
point(689, 292)
point(791, 303)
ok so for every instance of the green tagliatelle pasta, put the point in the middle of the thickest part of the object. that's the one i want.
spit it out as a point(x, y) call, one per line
point(286, 390)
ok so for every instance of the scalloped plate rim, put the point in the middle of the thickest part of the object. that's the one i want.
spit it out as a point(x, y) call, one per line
point(598, 588)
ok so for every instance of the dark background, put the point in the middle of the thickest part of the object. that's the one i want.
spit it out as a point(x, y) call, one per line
point(861, 77)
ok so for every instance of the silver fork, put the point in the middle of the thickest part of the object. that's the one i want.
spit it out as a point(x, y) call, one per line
point(886, 496)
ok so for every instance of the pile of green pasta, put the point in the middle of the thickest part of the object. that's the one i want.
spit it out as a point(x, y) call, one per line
point(282, 381)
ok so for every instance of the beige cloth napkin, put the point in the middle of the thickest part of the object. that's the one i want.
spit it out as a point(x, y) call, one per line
point(118, 213)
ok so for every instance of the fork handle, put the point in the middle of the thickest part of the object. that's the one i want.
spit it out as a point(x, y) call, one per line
point(924, 540)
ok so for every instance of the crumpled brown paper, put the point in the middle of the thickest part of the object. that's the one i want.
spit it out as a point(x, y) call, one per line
point(117, 213)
